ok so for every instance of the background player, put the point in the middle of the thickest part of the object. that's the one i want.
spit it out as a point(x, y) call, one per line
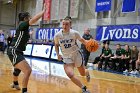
point(86, 53)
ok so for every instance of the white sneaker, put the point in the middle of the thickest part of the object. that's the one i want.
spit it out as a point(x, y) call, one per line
point(136, 72)
point(126, 71)
point(132, 72)
point(15, 86)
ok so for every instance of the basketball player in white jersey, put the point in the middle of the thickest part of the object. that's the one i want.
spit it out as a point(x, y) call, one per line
point(66, 39)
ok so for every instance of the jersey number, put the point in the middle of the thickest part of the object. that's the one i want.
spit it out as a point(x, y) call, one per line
point(67, 45)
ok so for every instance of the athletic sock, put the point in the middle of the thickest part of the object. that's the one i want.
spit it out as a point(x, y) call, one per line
point(24, 90)
point(84, 88)
point(15, 82)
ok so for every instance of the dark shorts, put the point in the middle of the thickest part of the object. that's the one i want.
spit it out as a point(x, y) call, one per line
point(15, 55)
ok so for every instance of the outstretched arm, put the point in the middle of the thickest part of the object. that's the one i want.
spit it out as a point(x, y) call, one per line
point(37, 16)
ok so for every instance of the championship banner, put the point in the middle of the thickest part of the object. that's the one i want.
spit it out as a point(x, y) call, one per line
point(103, 5)
point(48, 10)
point(46, 33)
point(126, 33)
point(129, 5)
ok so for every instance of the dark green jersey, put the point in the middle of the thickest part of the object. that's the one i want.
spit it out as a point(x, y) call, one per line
point(103, 48)
point(21, 37)
point(86, 37)
point(120, 52)
point(128, 53)
point(106, 52)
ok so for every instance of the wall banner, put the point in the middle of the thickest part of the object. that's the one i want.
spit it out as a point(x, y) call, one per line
point(126, 33)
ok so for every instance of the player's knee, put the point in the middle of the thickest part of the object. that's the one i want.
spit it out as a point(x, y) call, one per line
point(16, 72)
point(70, 74)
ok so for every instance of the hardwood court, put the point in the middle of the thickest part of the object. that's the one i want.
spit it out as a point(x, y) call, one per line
point(55, 81)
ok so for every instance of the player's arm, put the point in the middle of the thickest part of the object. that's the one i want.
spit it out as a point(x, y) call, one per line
point(81, 39)
point(57, 49)
point(110, 53)
point(57, 52)
point(56, 43)
point(37, 16)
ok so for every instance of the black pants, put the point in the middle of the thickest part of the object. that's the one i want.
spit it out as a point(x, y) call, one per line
point(86, 55)
point(127, 63)
point(106, 60)
point(133, 63)
point(120, 67)
point(96, 60)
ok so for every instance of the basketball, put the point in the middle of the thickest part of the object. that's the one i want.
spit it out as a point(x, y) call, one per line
point(92, 45)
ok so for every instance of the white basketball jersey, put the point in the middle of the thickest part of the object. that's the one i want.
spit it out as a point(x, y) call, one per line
point(67, 41)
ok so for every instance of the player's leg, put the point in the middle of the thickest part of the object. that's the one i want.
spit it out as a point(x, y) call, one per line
point(26, 69)
point(79, 63)
point(69, 69)
point(84, 72)
point(86, 56)
point(15, 83)
point(20, 64)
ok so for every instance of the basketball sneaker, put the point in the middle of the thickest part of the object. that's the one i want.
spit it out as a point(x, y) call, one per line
point(88, 78)
point(136, 72)
point(132, 72)
point(15, 86)
point(84, 90)
point(126, 71)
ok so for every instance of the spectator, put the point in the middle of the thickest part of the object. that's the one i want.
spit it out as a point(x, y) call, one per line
point(134, 57)
point(86, 53)
point(97, 59)
point(2, 42)
point(118, 58)
point(107, 52)
point(137, 64)
point(127, 58)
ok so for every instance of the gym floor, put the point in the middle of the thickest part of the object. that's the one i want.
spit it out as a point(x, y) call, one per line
point(49, 77)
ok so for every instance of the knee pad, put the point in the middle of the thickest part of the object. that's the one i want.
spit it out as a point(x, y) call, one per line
point(16, 72)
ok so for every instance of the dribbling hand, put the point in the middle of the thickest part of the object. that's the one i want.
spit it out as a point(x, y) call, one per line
point(60, 57)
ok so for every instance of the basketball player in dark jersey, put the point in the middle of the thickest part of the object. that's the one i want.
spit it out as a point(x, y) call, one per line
point(18, 45)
